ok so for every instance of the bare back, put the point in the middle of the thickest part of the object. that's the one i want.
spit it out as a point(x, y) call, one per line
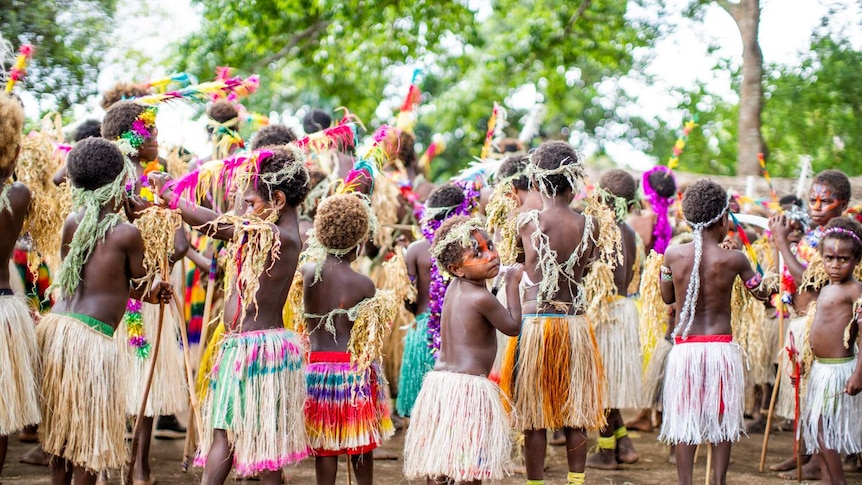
point(339, 287)
point(418, 259)
point(624, 273)
point(12, 221)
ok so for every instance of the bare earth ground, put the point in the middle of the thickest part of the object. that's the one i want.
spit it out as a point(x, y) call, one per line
point(651, 469)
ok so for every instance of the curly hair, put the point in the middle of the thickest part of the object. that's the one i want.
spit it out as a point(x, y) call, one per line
point(663, 184)
point(512, 169)
point(316, 120)
point(453, 253)
point(846, 227)
point(271, 135)
point(837, 180)
point(553, 154)
point(446, 195)
point(119, 119)
point(703, 201)
point(406, 150)
point(11, 124)
point(87, 129)
point(619, 183)
point(94, 162)
point(341, 221)
point(222, 111)
point(295, 187)
point(123, 91)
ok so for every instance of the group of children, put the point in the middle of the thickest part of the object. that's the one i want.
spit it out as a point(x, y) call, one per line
point(525, 320)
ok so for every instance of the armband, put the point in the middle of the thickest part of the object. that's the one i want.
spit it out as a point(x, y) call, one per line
point(666, 273)
point(753, 282)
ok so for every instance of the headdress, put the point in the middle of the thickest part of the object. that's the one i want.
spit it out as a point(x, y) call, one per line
point(406, 119)
point(844, 232)
point(662, 231)
point(142, 128)
point(496, 123)
point(686, 315)
point(16, 73)
point(573, 172)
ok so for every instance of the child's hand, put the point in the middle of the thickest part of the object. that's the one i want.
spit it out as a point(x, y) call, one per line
point(159, 180)
point(514, 275)
point(854, 384)
point(780, 227)
point(161, 292)
point(135, 204)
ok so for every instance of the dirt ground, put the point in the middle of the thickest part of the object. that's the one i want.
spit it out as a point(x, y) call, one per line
point(651, 469)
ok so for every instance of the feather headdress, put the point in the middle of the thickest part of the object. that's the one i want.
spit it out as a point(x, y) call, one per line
point(16, 73)
point(406, 119)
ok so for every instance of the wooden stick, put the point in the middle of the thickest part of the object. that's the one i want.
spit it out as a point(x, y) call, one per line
point(208, 301)
point(708, 463)
point(349, 479)
point(194, 421)
point(774, 397)
point(696, 452)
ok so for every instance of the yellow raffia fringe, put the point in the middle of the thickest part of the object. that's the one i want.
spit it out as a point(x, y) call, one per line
point(640, 256)
point(765, 252)
point(175, 164)
point(747, 318)
point(371, 326)
point(385, 201)
point(292, 312)
point(609, 242)
point(804, 347)
point(158, 227)
point(815, 276)
point(254, 248)
point(502, 212)
point(49, 204)
point(601, 291)
point(397, 278)
point(653, 311)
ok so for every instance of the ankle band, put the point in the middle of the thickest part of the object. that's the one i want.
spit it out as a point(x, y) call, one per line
point(575, 478)
point(535, 482)
point(621, 432)
point(607, 443)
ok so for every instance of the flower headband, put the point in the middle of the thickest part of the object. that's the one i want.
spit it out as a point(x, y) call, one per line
point(842, 231)
point(142, 128)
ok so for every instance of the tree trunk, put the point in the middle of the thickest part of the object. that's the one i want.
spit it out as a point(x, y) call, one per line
point(746, 14)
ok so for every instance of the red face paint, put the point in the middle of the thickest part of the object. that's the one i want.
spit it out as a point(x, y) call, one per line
point(483, 251)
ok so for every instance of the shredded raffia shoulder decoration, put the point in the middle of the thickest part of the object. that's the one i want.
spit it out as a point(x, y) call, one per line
point(653, 310)
point(551, 269)
point(502, 213)
point(747, 320)
point(158, 227)
point(397, 277)
point(686, 316)
point(372, 319)
point(610, 240)
point(599, 286)
point(295, 303)
point(91, 230)
point(572, 171)
point(601, 291)
point(49, 205)
point(460, 235)
point(254, 249)
point(814, 277)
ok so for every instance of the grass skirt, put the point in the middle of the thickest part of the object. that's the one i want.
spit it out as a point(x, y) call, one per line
point(346, 412)
point(654, 377)
point(168, 394)
point(827, 407)
point(785, 403)
point(83, 388)
point(417, 361)
point(704, 391)
point(19, 366)
point(553, 374)
point(619, 346)
point(459, 430)
point(257, 391)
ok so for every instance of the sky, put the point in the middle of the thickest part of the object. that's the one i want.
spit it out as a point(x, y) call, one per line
point(680, 59)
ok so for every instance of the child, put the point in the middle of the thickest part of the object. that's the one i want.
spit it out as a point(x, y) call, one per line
point(135, 126)
point(346, 411)
point(553, 372)
point(617, 329)
point(459, 429)
point(512, 169)
point(253, 410)
point(704, 383)
point(828, 197)
point(832, 420)
point(418, 358)
point(18, 353)
point(83, 375)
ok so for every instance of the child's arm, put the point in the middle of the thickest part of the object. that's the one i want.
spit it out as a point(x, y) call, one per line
point(854, 383)
point(506, 320)
point(753, 282)
point(194, 215)
point(668, 292)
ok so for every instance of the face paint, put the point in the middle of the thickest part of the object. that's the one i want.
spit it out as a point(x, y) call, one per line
point(483, 251)
point(823, 195)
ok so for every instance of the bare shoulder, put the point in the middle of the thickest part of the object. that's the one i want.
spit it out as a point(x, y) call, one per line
point(19, 195)
point(127, 235)
point(307, 271)
point(365, 285)
point(416, 248)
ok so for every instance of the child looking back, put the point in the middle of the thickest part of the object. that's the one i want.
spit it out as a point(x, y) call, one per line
point(346, 411)
point(704, 388)
point(459, 429)
point(832, 419)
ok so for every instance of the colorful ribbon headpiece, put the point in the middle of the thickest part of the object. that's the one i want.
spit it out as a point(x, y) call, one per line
point(25, 52)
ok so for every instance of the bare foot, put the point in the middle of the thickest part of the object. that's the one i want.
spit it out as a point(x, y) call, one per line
point(809, 472)
point(758, 425)
point(788, 464)
point(625, 451)
point(851, 463)
point(641, 422)
point(36, 456)
point(603, 460)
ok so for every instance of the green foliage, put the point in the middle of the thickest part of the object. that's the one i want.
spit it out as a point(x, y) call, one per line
point(354, 53)
point(70, 38)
